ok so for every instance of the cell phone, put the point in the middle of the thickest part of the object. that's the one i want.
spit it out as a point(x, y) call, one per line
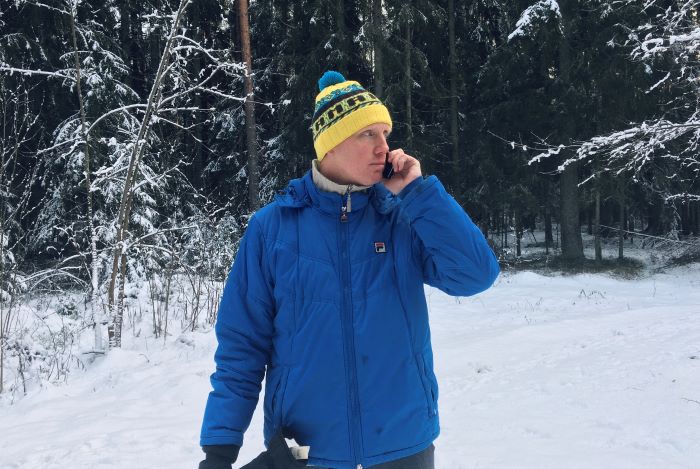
point(388, 168)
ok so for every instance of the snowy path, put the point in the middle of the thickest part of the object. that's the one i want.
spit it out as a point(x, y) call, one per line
point(539, 372)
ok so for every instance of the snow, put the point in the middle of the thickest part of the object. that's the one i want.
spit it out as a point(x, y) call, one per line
point(693, 37)
point(584, 371)
point(539, 11)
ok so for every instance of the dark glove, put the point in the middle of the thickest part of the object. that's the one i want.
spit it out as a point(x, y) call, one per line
point(219, 456)
point(277, 456)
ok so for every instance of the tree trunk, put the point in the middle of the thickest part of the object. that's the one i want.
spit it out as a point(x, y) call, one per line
point(2, 335)
point(655, 211)
point(454, 99)
point(497, 221)
point(596, 228)
point(2, 243)
point(621, 239)
point(518, 233)
point(630, 226)
point(548, 236)
point(590, 208)
point(2, 268)
point(116, 339)
point(125, 35)
point(96, 315)
point(548, 239)
point(341, 32)
point(408, 78)
point(571, 242)
point(686, 219)
point(506, 226)
point(251, 138)
point(484, 226)
point(195, 168)
point(116, 315)
point(131, 42)
point(378, 38)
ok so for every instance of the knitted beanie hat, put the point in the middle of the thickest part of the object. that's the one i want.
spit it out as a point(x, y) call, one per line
point(342, 108)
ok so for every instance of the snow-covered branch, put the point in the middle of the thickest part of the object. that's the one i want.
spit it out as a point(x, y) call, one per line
point(541, 11)
point(25, 71)
point(662, 151)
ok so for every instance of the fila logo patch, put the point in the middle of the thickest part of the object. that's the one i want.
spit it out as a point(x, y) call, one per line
point(379, 247)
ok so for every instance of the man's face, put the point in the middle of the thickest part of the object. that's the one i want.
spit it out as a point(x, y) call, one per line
point(359, 159)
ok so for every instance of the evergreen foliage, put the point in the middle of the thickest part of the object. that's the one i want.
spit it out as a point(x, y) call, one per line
point(530, 77)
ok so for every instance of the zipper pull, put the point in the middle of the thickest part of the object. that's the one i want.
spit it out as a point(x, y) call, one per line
point(346, 206)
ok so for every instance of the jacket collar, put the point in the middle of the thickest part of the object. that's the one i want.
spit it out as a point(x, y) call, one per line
point(303, 192)
point(326, 185)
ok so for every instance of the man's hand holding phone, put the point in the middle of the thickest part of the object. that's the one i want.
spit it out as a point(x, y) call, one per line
point(405, 169)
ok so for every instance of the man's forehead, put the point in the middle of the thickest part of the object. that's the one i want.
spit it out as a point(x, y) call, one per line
point(379, 126)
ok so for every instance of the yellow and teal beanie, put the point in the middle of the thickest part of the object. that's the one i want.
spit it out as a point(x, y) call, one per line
point(342, 108)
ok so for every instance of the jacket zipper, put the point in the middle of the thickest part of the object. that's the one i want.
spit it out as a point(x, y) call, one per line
point(348, 331)
point(346, 205)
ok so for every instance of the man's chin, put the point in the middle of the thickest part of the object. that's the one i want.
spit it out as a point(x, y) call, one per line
point(374, 177)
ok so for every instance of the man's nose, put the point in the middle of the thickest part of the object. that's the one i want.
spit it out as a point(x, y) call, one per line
point(383, 145)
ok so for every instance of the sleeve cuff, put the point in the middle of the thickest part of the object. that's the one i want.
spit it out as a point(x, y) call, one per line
point(226, 454)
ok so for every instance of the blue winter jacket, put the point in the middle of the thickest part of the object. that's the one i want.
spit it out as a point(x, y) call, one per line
point(333, 313)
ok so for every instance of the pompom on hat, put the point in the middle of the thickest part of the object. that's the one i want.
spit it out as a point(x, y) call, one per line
point(342, 108)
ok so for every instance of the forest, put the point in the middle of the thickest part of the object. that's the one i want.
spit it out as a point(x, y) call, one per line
point(138, 137)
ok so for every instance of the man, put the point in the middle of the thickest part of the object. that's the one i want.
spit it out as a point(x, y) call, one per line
point(326, 300)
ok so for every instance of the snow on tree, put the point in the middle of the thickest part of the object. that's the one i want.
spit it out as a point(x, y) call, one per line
point(115, 162)
point(541, 11)
point(661, 151)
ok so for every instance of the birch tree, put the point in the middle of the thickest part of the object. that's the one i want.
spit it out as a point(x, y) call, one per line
point(159, 106)
point(115, 151)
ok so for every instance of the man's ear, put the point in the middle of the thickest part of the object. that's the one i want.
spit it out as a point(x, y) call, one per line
point(328, 153)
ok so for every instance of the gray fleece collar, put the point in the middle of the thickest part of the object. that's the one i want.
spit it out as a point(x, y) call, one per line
point(325, 184)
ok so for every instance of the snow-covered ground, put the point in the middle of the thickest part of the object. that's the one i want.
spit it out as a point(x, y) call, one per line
point(540, 372)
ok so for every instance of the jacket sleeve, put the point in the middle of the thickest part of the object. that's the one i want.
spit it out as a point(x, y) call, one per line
point(244, 328)
point(450, 249)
